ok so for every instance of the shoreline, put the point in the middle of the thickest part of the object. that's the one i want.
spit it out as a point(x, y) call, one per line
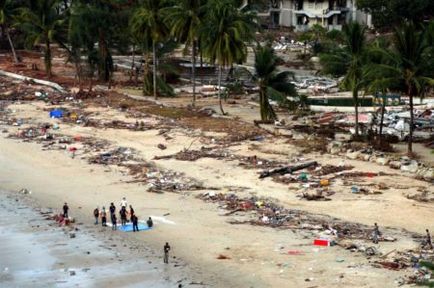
point(38, 249)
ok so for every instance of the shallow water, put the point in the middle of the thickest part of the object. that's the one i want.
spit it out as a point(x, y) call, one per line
point(37, 253)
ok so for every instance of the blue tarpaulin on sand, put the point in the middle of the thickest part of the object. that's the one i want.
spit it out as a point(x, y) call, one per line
point(56, 113)
point(129, 227)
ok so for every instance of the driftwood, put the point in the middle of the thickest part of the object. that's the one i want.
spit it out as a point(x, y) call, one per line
point(38, 81)
point(287, 169)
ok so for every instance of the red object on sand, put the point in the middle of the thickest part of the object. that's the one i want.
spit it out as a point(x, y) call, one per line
point(72, 149)
point(321, 242)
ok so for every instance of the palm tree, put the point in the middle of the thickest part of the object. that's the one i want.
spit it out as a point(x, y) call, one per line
point(224, 36)
point(184, 21)
point(407, 67)
point(43, 25)
point(349, 61)
point(271, 83)
point(148, 24)
point(7, 12)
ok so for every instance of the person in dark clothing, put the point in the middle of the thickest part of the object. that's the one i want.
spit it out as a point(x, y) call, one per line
point(103, 217)
point(166, 252)
point(376, 234)
point(150, 223)
point(123, 213)
point(112, 209)
point(65, 210)
point(96, 215)
point(428, 240)
point(114, 222)
point(135, 221)
point(131, 213)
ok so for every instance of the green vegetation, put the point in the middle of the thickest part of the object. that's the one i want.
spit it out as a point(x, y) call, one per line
point(91, 31)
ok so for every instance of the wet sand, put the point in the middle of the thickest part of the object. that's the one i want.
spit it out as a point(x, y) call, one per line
point(36, 252)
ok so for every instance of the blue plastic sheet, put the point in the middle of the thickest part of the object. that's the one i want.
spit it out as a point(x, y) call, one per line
point(56, 113)
point(129, 227)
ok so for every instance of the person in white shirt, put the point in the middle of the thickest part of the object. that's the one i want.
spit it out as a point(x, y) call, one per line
point(124, 203)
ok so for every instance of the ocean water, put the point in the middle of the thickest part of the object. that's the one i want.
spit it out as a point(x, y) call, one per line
point(35, 252)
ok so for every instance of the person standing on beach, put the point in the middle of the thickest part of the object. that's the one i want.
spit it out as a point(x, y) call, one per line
point(376, 234)
point(135, 221)
point(96, 215)
point(166, 249)
point(112, 209)
point(428, 240)
point(65, 210)
point(123, 213)
point(103, 217)
point(131, 213)
point(114, 222)
point(124, 202)
point(150, 223)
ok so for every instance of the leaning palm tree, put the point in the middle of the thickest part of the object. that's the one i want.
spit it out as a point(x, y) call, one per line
point(272, 84)
point(7, 12)
point(149, 25)
point(185, 19)
point(407, 67)
point(224, 36)
point(43, 25)
point(348, 61)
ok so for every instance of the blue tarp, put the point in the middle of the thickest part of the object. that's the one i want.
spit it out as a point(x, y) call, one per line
point(56, 113)
point(129, 227)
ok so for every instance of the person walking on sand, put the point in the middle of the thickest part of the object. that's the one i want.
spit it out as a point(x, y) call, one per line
point(135, 221)
point(114, 222)
point(103, 217)
point(65, 210)
point(166, 249)
point(123, 214)
point(428, 240)
point(131, 213)
point(376, 234)
point(150, 223)
point(112, 209)
point(96, 215)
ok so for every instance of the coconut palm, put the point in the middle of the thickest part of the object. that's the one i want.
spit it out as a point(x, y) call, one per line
point(224, 36)
point(148, 24)
point(7, 12)
point(407, 67)
point(272, 84)
point(43, 25)
point(348, 61)
point(185, 19)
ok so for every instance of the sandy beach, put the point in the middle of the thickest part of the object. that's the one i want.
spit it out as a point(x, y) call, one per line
point(37, 252)
point(212, 251)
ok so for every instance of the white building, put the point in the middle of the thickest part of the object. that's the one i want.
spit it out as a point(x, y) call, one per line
point(302, 14)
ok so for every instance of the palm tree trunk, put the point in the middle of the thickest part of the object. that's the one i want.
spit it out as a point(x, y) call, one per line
point(262, 104)
point(193, 72)
point(47, 59)
point(356, 109)
point(383, 109)
point(219, 89)
point(14, 54)
point(410, 135)
point(154, 52)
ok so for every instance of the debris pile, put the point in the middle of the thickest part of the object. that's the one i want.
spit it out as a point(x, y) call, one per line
point(158, 180)
point(267, 213)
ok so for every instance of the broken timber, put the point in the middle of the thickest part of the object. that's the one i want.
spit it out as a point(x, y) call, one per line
point(287, 169)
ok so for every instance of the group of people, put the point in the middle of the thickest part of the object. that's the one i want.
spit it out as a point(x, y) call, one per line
point(123, 213)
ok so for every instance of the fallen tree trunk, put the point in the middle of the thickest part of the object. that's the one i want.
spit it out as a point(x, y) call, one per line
point(38, 81)
point(287, 169)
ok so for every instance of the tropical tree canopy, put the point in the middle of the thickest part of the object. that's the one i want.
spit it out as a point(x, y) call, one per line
point(43, 24)
point(272, 84)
